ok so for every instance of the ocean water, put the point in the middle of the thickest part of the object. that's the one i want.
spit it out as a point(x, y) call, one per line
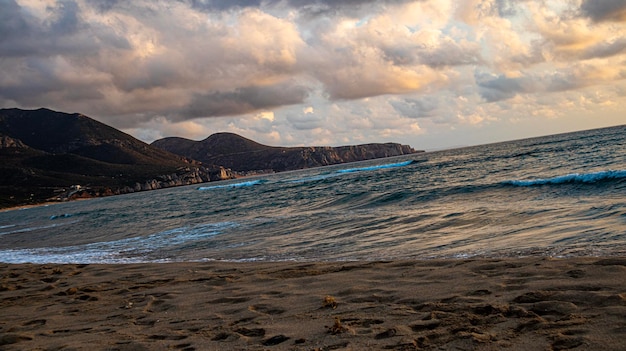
point(561, 195)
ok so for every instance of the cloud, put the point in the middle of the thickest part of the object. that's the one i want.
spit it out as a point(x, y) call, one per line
point(339, 8)
point(305, 121)
point(243, 100)
point(141, 52)
point(568, 37)
point(391, 52)
point(308, 9)
point(158, 64)
point(605, 49)
point(501, 87)
point(223, 5)
point(416, 107)
point(324, 69)
point(604, 10)
point(61, 32)
point(448, 52)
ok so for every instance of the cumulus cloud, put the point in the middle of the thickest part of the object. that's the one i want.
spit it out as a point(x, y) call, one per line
point(328, 68)
point(567, 37)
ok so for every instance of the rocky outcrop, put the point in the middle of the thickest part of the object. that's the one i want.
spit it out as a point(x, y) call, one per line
point(243, 155)
point(8, 142)
point(324, 156)
point(184, 176)
point(187, 176)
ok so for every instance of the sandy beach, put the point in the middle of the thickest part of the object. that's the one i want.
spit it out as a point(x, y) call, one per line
point(481, 304)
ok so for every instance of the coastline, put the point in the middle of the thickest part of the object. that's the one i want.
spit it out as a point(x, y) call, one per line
point(45, 203)
point(25, 207)
point(474, 304)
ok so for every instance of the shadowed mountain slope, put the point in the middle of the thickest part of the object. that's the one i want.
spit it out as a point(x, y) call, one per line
point(44, 153)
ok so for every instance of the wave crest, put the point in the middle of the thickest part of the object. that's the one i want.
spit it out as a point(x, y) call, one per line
point(584, 178)
point(372, 168)
point(233, 185)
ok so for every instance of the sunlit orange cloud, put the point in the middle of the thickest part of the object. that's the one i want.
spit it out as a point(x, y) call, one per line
point(326, 71)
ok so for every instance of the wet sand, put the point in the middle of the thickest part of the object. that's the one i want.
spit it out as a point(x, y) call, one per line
point(482, 304)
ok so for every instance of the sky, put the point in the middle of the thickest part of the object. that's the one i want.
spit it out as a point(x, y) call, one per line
point(431, 74)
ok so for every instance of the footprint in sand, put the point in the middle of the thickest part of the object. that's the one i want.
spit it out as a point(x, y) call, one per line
point(254, 332)
point(266, 309)
point(8, 339)
point(275, 340)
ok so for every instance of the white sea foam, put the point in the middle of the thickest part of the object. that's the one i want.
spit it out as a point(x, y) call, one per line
point(30, 229)
point(233, 185)
point(65, 215)
point(135, 249)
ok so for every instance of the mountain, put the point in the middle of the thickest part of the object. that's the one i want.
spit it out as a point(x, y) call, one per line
point(47, 154)
point(244, 155)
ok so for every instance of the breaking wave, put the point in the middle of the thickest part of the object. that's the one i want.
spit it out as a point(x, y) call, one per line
point(31, 229)
point(234, 185)
point(582, 178)
point(134, 249)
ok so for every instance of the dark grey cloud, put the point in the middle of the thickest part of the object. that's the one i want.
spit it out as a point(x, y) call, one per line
point(63, 32)
point(66, 19)
point(154, 73)
point(506, 8)
point(604, 10)
point(417, 108)
point(500, 87)
point(41, 81)
point(305, 121)
point(220, 5)
point(44, 86)
point(342, 4)
point(19, 31)
point(322, 7)
point(450, 53)
point(401, 55)
point(606, 49)
point(103, 5)
point(243, 100)
point(13, 22)
point(315, 8)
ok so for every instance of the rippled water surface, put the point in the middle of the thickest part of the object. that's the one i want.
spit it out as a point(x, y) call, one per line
point(562, 195)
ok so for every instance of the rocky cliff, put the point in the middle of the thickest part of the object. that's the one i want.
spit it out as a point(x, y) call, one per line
point(184, 176)
point(46, 155)
point(244, 155)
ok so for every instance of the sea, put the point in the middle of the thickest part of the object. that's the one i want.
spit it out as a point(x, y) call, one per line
point(554, 196)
